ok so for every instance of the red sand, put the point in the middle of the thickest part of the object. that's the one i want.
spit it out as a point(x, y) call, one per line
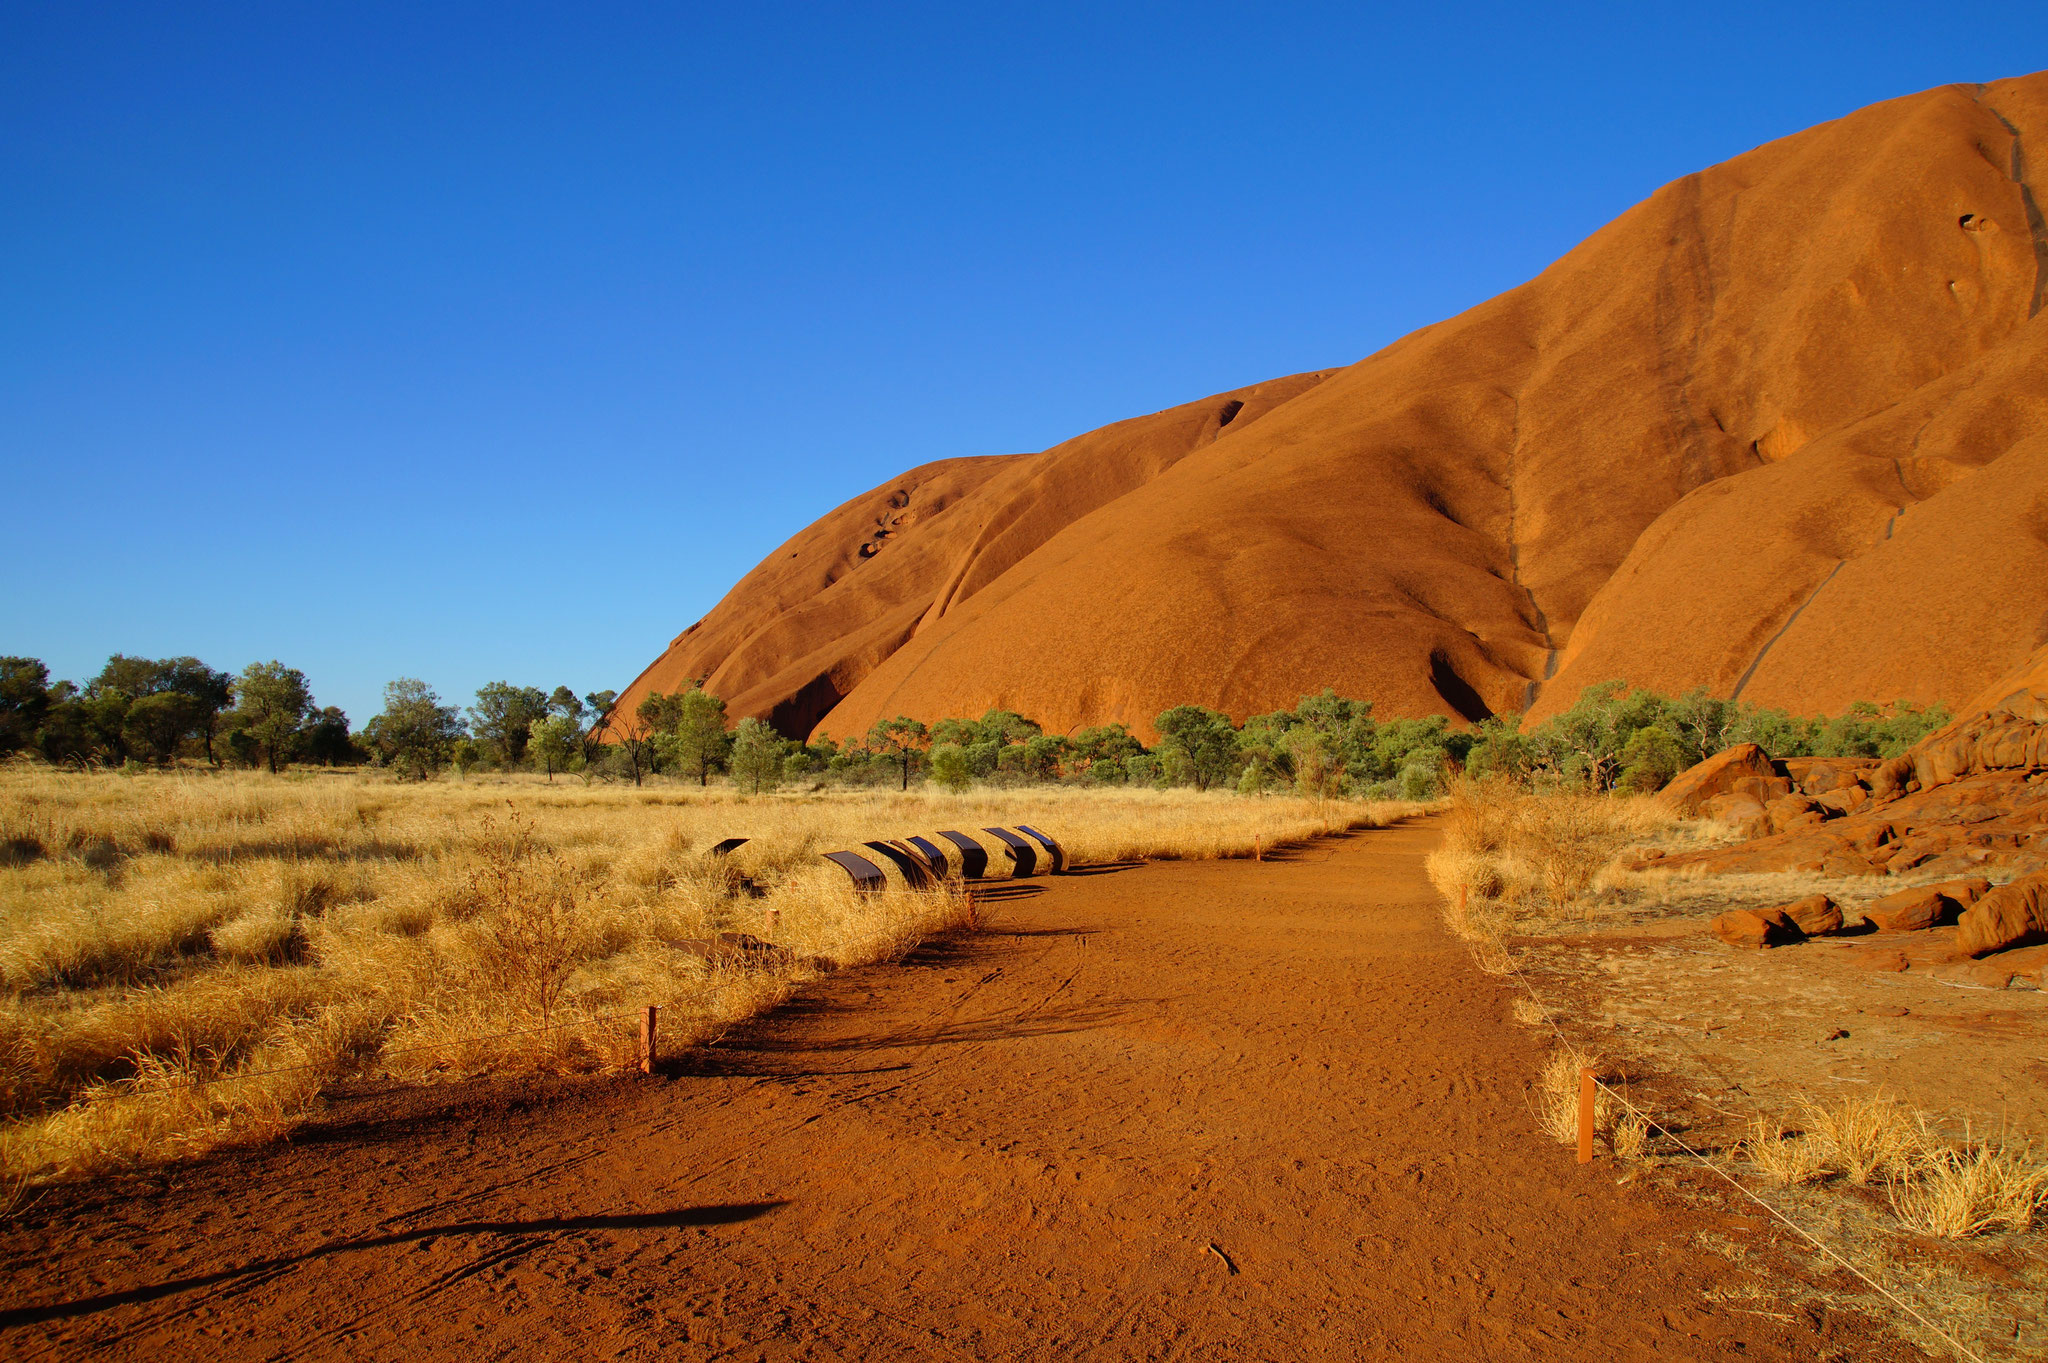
point(1191, 1110)
point(1782, 428)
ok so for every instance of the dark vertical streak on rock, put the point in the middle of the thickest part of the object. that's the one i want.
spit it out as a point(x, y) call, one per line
point(1684, 309)
point(1515, 563)
point(2037, 227)
point(1771, 642)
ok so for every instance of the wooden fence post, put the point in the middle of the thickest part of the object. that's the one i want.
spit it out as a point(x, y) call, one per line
point(1586, 1093)
point(648, 1054)
point(769, 919)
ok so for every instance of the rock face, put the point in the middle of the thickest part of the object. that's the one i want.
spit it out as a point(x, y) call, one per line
point(1755, 434)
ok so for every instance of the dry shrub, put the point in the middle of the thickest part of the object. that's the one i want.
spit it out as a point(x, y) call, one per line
point(1626, 1132)
point(1530, 1013)
point(529, 938)
point(1949, 1190)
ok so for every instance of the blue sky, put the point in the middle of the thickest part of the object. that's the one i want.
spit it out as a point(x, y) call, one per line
point(497, 341)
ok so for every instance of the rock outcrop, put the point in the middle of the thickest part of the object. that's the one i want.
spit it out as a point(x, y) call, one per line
point(1781, 430)
point(1969, 800)
point(2013, 915)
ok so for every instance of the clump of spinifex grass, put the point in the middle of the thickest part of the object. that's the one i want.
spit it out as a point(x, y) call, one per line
point(1625, 1132)
point(191, 958)
point(1973, 1188)
point(1952, 1189)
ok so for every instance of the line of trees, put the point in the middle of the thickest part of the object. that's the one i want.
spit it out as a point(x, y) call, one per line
point(1611, 738)
point(156, 711)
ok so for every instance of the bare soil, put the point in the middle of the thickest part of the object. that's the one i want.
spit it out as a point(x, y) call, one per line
point(1185, 1110)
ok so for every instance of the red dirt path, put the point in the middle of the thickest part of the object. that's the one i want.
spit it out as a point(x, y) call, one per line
point(1196, 1110)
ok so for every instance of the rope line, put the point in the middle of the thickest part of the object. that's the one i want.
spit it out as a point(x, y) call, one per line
point(1708, 1164)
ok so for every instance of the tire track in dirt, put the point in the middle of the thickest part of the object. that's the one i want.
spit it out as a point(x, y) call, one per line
point(1189, 1110)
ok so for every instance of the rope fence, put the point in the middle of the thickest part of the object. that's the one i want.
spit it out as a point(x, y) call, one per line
point(1590, 1083)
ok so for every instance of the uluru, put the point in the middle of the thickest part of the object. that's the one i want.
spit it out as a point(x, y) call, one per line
point(1780, 430)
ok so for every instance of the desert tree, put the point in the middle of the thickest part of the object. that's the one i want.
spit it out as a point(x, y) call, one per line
point(415, 734)
point(1101, 752)
point(1038, 758)
point(949, 766)
point(1650, 758)
point(326, 738)
point(901, 740)
point(198, 696)
point(757, 753)
point(155, 724)
point(1703, 722)
point(503, 717)
point(1197, 744)
point(555, 742)
point(1499, 749)
point(598, 709)
point(273, 701)
point(563, 701)
point(689, 729)
point(211, 692)
point(24, 701)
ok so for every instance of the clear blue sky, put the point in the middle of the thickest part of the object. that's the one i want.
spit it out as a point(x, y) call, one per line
point(497, 341)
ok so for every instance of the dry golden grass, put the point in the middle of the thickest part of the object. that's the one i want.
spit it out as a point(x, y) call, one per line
point(1782, 1157)
point(1511, 856)
point(1949, 1189)
point(1557, 1096)
point(190, 958)
point(1630, 1137)
point(1867, 1138)
point(1973, 1189)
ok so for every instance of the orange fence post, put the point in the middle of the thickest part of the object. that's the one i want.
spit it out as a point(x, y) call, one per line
point(1586, 1086)
point(769, 919)
point(648, 1016)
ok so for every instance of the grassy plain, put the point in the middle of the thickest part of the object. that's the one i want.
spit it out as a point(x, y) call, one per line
point(192, 958)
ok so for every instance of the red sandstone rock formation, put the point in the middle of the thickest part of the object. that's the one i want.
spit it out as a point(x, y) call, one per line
point(1781, 430)
point(1971, 796)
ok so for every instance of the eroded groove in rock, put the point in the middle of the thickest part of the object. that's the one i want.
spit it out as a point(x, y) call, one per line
point(2037, 226)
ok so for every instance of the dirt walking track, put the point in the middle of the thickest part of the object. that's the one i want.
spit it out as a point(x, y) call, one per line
point(1194, 1111)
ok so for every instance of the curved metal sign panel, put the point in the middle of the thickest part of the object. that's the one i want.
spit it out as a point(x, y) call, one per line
point(867, 877)
point(1021, 851)
point(973, 856)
